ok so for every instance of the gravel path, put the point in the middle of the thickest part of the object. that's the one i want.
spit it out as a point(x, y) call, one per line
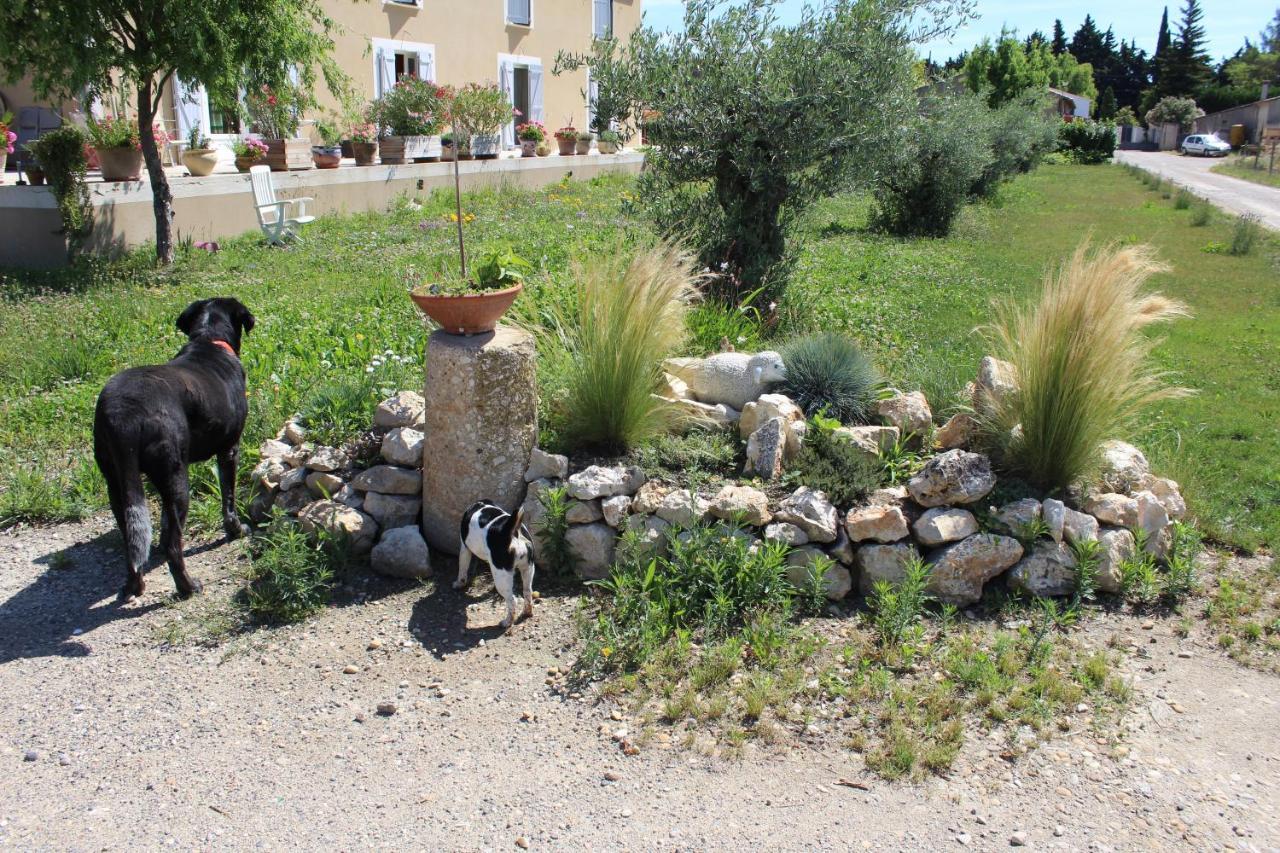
point(1224, 191)
point(110, 739)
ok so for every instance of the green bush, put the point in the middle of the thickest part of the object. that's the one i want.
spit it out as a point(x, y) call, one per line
point(290, 574)
point(920, 193)
point(1183, 199)
point(1021, 133)
point(896, 608)
point(834, 465)
point(828, 373)
point(61, 154)
point(1245, 234)
point(339, 411)
point(1087, 141)
point(1201, 214)
point(556, 555)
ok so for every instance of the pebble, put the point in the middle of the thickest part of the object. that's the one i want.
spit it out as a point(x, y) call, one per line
point(31, 755)
point(64, 759)
point(1018, 839)
point(522, 842)
point(374, 645)
point(964, 838)
point(350, 669)
point(386, 709)
point(1059, 831)
point(612, 776)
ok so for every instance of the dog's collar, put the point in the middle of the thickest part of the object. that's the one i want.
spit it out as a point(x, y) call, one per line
point(226, 346)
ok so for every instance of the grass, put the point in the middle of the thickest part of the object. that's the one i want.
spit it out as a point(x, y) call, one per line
point(1244, 611)
point(1243, 168)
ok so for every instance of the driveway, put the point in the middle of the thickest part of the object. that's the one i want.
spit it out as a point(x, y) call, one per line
point(1224, 191)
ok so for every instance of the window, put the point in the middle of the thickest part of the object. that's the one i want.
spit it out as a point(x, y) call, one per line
point(223, 120)
point(602, 18)
point(520, 12)
point(406, 64)
point(394, 59)
point(411, 4)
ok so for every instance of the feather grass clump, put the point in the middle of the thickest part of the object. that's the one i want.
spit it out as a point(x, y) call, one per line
point(826, 372)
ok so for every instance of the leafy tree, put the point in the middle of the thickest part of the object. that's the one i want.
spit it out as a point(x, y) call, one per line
point(74, 47)
point(1007, 69)
point(1107, 105)
point(612, 76)
point(1270, 40)
point(1071, 76)
point(1170, 110)
point(753, 120)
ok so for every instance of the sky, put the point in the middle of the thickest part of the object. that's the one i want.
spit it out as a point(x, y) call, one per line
point(1227, 22)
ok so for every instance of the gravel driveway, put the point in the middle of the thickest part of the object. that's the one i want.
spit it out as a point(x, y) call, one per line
point(1224, 191)
point(111, 739)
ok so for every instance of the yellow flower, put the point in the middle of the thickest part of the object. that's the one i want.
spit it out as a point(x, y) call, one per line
point(452, 217)
point(470, 217)
point(606, 651)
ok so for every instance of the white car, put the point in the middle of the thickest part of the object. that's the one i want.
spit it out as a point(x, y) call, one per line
point(1206, 145)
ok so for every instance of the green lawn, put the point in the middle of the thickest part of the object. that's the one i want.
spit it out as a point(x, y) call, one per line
point(335, 308)
point(1242, 167)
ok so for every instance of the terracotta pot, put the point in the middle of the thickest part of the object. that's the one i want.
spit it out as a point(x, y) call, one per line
point(326, 156)
point(120, 164)
point(470, 313)
point(484, 146)
point(243, 163)
point(604, 146)
point(364, 152)
point(200, 161)
point(566, 146)
point(35, 176)
point(286, 155)
point(346, 149)
point(582, 146)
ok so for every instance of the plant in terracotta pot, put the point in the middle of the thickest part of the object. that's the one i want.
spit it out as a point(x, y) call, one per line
point(364, 143)
point(530, 134)
point(249, 151)
point(275, 112)
point(328, 154)
point(119, 147)
point(7, 140)
point(199, 157)
point(409, 117)
point(478, 112)
point(609, 142)
point(567, 139)
point(583, 143)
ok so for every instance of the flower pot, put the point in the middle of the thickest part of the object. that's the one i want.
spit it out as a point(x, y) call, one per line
point(469, 313)
point(485, 146)
point(446, 152)
point(364, 152)
point(120, 164)
point(423, 149)
point(35, 175)
point(326, 156)
point(604, 146)
point(346, 149)
point(566, 146)
point(243, 163)
point(284, 155)
point(582, 146)
point(528, 148)
point(4, 156)
point(200, 161)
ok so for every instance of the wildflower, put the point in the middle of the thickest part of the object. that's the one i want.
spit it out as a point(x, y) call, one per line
point(605, 652)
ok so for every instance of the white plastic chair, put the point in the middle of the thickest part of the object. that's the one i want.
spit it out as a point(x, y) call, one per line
point(273, 215)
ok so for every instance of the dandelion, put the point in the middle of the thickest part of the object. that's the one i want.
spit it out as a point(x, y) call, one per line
point(605, 652)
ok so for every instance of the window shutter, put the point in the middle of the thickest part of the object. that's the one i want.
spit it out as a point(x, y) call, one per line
point(535, 93)
point(192, 106)
point(593, 93)
point(427, 64)
point(386, 71)
point(518, 12)
point(602, 18)
point(507, 82)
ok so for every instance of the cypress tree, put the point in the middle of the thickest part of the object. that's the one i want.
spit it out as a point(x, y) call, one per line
point(1059, 44)
point(1162, 46)
point(1185, 66)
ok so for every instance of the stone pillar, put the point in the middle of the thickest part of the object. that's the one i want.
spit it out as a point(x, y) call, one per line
point(481, 425)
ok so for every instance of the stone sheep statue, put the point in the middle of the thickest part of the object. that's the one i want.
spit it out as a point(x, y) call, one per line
point(731, 378)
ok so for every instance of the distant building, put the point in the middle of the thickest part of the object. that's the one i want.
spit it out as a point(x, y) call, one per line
point(1255, 117)
point(1069, 105)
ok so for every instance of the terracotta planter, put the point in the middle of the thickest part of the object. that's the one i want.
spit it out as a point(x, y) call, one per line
point(566, 146)
point(326, 156)
point(470, 313)
point(287, 155)
point(120, 164)
point(200, 161)
point(364, 152)
point(243, 163)
point(582, 146)
point(528, 148)
point(485, 146)
point(346, 149)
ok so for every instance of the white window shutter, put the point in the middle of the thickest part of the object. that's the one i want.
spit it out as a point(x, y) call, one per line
point(427, 64)
point(507, 82)
point(535, 93)
point(192, 106)
point(602, 18)
point(386, 71)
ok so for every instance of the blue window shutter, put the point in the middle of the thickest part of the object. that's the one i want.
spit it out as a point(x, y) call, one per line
point(518, 12)
point(602, 23)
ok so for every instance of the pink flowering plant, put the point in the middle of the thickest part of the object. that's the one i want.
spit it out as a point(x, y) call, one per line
point(114, 131)
point(275, 110)
point(531, 131)
point(249, 147)
point(412, 107)
point(7, 136)
point(363, 132)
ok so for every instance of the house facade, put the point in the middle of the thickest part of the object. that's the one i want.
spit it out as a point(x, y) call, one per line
point(509, 42)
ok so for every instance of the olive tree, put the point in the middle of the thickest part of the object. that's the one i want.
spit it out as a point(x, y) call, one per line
point(73, 48)
point(752, 120)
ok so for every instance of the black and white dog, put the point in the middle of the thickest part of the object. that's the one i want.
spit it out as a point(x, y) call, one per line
point(502, 541)
point(156, 420)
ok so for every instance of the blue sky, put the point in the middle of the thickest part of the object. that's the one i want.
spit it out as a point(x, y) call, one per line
point(1227, 22)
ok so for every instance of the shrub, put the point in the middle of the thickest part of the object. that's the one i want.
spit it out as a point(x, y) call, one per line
point(1021, 133)
point(921, 192)
point(630, 315)
point(61, 154)
point(826, 372)
point(896, 608)
point(478, 109)
point(1173, 110)
point(555, 553)
point(1089, 142)
point(834, 465)
point(1183, 199)
point(1201, 214)
point(290, 574)
point(1082, 362)
point(1244, 234)
point(412, 107)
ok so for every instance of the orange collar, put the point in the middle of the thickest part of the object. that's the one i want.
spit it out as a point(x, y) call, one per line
point(226, 346)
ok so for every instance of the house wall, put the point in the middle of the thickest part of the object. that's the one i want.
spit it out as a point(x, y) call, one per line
point(1253, 116)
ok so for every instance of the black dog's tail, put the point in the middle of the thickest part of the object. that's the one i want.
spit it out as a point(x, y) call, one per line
point(128, 499)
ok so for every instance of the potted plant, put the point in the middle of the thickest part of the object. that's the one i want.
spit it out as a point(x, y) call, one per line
point(33, 169)
point(249, 151)
point(479, 111)
point(328, 154)
point(543, 149)
point(409, 117)
point(609, 142)
point(364, 143)
point(275, 112)
point(530, 134)
point(446, 146)
point(7, 139)
point(119, 147)
point(199, 158)
point(474, 304)
point(567, 139)
point(583, 144)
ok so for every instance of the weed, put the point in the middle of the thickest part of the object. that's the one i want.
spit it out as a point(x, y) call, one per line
point(1183, 200)
point(896, 609)
point(832, 464)
point(1201, 213)
point(556, 555)
point(336, 411)
point(290, 574)
point(1245, 234)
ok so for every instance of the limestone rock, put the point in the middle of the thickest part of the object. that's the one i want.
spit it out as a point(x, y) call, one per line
point(403, 446)
point(482, 419)
point(1117, 545)
point(871, 440)
point(674, 387)
point(1124, 467)
point(1016, 516)
point(600, 482)
point(942, 525)
point(406, 409)
point(274, 449)
point(535, 516)
point(1054, 513)
point(960, 570)
point(703, 415)
point(801, 563)
point(649, 498)
point(811, 512)
point(267, 473)
point(593, 547)
point(781, 531)
point(910, 413)
point(889, 495)
point(681, 508)
point(751, 504)
point(732, 378)
point(348, 496)
point(327, 459)
point(958, 432)
point(1113, 508)
point(883, 562)
point(401, 553)
point(292, 501)
point(338, 520)
point(840, 550)
point(758, 412)
point(1078, 526)
point(391, 511)
point(1166, 491)
point(546, 466)
point(583, 512)
point(953, 477)
point(614, 509)
point(389, 480)
point(1152, 519)
point(652, 533)
point(293, 432)
point(292, 479)
point(296, 456)
point(1049, 570)
point(766, 449)
point(996, 380)
point(876, 523)
point(324, 485)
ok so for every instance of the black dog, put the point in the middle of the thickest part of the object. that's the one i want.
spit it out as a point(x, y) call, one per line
point(156, 420)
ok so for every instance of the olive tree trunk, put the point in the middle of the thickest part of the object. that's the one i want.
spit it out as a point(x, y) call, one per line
point(161, 196)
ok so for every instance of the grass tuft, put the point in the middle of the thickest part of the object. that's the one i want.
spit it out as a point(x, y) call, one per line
point(827, 373)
